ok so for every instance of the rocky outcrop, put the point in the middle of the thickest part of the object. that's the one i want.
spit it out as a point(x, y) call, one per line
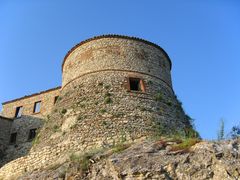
point(152, 160)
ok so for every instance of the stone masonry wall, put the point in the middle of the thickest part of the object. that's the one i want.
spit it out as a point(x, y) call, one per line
point(47, 103)
point(118, 54)
point(5, 128)
point(91, 122)
point(23, 144)
point(24, 124)
point(96, 108)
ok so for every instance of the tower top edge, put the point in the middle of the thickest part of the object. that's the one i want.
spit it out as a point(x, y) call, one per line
point(116, 36)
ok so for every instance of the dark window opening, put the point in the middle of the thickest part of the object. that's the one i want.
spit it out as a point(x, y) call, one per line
point(18, 112)
point(32, 134)
point(13, 138)
point(135, 84)
point(37, 107)
point(55, 99)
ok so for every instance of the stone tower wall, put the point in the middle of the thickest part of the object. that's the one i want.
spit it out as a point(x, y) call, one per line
point(97, 102)
point(118, 54)
point(96, 106)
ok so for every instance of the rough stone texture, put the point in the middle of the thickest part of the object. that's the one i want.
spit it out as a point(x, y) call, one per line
point(22, 127)
point(5, 127)
point(154, 160)
point(47, 103)
point(24, 124)
point(116, 54)
point(96, 108)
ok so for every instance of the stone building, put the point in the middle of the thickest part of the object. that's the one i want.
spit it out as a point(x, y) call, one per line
point(114, 88)
point(20, 120)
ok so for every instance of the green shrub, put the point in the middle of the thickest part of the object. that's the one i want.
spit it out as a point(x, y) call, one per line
point(79, 117)
point(84, 159)
point(169, 103)
point(107, 86)
point(82, 105)
point(120, 147)
point(159, 129)
point(100, 84)
point(74, 157)
point(107, 94)
point(104, 123)
point(142, 108)
point(73, 126)
point(191, 133)
point(103, 111)
point(108, 100)
point(118, 114)
point(36, 140)
point(55, 128)
point(64, 111)
point(150, 82)
point(185, 144)
point(53, 166)
point(159, 96)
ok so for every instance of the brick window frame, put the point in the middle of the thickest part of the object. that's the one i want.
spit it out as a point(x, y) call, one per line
point(142, 88)
point(18, 112)
point(37, 107)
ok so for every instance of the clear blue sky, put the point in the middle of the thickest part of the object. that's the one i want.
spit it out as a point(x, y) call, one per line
point(201, 37)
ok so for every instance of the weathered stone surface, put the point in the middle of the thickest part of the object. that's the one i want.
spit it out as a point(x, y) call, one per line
point(152, 160)
point(22, 126)
point(47, 103)
point(5, 127)
point(96, 106)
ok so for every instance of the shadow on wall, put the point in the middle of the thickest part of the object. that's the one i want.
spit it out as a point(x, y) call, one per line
point(22, 134)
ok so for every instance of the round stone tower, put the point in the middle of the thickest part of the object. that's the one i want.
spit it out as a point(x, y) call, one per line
point(117, 87)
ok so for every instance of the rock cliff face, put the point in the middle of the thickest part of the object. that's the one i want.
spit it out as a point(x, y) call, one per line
point(151, 160)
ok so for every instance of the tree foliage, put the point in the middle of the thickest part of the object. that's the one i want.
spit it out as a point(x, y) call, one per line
point(221, 132)
point(235, 132)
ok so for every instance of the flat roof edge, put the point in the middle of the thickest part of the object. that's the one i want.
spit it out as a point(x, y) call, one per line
point(28, 96)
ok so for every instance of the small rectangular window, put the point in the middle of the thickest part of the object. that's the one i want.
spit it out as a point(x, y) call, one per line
point(32, 134)
point(13, 138)
point(55, 99)
point(37, 107)
point(18, 112)
point(136, 84)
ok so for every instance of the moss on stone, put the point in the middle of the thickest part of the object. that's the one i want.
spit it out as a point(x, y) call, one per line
point(107, 100)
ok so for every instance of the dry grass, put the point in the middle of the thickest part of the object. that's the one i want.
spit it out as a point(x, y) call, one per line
point(120, 147)
point(186, 144)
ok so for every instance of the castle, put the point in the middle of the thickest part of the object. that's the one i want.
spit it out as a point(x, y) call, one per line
point(113, 87)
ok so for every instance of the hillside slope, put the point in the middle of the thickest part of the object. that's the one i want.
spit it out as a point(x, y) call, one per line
point(148, 159)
